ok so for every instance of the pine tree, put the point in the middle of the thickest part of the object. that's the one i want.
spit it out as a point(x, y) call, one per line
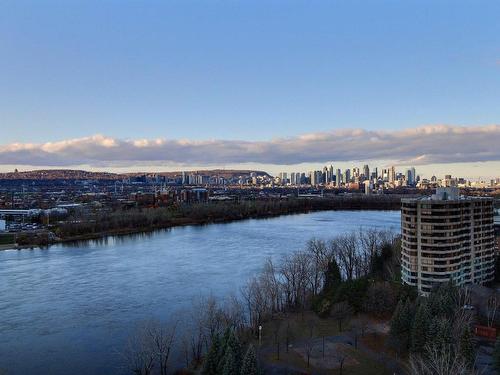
point(233, 344)
point(420, 328)
point(213, 358)
point(400, 326)
point(249, 365)
point(332, 275)
point(232, 354)
point(230, 367)
point(467, 347)
point(223, 349)
point(496, 356)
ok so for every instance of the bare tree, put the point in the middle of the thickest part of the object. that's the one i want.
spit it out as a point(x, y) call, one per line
point(340, 355)
point(345, 250)
point(233, 313)
point(369, 240)
point(276, 328)
point(295, 273)
point(139, 358)
point(491, 309)
point(320, 257)
point(150, 344)
point(162, 339)
point(439, 361)
point(271, 284)
point(255, 299)
point(341, 311)
point(309, 343)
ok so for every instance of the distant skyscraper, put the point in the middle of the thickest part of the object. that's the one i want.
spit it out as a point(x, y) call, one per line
point(355, 172)
point(338, 178)
point(366, 171)
point(410, 177)
point(347, 176)
point(392, 174)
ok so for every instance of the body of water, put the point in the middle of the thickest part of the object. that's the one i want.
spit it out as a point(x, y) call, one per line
point(70, 308)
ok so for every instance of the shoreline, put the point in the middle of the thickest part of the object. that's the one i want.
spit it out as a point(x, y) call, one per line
point(180, 222)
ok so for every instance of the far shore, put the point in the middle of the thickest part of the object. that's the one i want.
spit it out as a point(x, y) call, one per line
point(177, 222)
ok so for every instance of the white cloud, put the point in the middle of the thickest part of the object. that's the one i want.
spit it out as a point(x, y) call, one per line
point(422, 145)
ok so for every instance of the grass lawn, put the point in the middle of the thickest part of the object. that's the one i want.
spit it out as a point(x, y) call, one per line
point(7, 239)
point(299, 327)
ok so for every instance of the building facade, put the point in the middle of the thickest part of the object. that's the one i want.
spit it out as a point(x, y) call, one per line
point(445, 237)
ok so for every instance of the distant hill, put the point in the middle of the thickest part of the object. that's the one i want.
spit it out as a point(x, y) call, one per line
point(72, 174)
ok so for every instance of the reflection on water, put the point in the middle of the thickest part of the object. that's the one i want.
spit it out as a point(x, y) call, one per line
point(71, 307)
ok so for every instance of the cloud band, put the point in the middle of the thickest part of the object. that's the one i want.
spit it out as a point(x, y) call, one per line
point(421, 145)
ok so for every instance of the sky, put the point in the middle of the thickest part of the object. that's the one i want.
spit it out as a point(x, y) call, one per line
point(278, 85)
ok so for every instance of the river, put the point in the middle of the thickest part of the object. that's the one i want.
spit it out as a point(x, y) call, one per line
point(69, 308)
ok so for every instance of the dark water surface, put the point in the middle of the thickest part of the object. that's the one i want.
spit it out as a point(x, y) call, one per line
point(68, 309)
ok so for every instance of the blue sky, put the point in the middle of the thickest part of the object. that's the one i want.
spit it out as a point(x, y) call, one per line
point(244, 70)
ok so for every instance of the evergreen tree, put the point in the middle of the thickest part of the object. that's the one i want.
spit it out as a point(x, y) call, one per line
point(249, 365)
point(400, 326)
point(233, 345)
point(232, 354)
point(230, 366)
point(213, 358)
point(224, 343)
point(420, 328)
point(467, 347)
point(333, 276)
point(496, 356)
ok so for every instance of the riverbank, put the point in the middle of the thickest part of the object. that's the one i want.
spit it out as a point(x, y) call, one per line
point(146, 220)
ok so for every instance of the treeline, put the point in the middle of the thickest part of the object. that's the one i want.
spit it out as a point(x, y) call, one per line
point(90, 224)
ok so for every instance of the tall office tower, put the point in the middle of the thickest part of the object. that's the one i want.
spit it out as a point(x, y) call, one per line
point(338, 178)
point(347, 176)
point(331, 172)
point(410, 177)
point(447, 236)
point(284, 178)
point(312, 178)
point(319, 177)
point(355, 172)
point(303, 178)
point(366, 171)
point(392, 174)
point(292, 178)
point(184, 178)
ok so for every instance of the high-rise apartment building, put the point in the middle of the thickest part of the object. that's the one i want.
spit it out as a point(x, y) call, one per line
point(445, 237)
